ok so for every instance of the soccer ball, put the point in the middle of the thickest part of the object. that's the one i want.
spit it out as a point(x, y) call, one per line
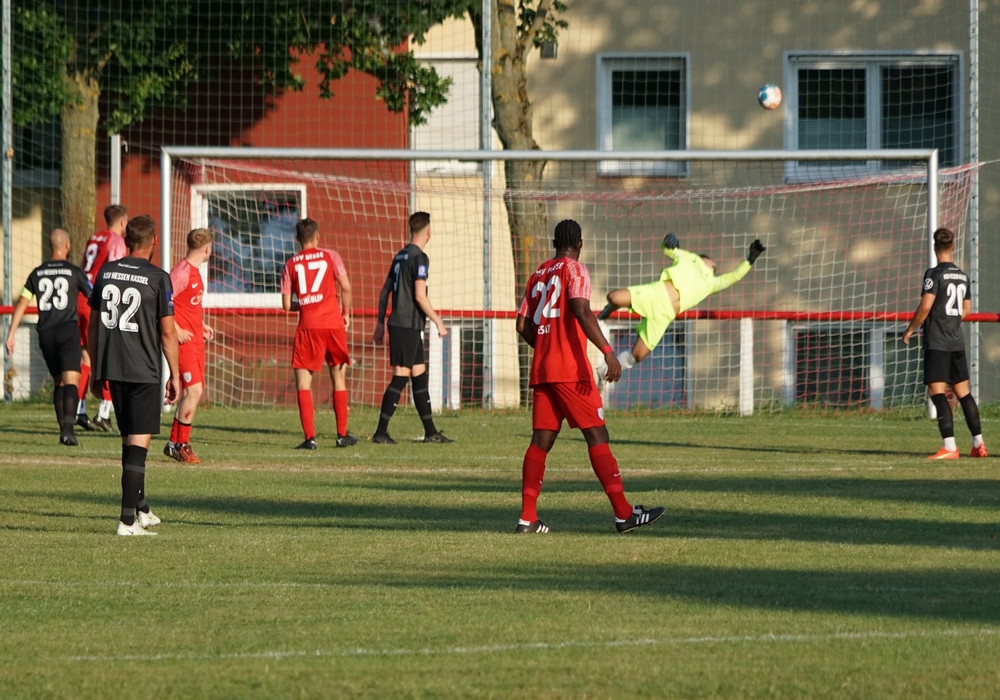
point(769, 96)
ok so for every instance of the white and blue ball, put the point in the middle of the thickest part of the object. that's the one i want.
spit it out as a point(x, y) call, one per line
point(769, 96)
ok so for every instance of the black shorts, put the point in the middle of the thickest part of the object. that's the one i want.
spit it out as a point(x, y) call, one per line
point(61, 348)
point(945, 366)
point(406, 347)
point(137, 407)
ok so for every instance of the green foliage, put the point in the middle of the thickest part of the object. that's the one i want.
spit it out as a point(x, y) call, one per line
point(38, 65)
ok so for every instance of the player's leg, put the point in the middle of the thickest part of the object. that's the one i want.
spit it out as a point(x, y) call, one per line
point(191, 362)
point(546, 420)
point(103, 420)
point(137, 411)
point(937, 373)
point(337, 360)
point(69, 399)
point(83, 323)
point(617, 299)
point(307, 358)
point(970, 409)
point(403, 344)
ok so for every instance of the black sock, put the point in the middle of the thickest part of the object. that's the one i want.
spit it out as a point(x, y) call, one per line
point(133, 480)
point(971, 411)
point(422, 400)
point(70, 400)
point(946, 420)
point(389, 402)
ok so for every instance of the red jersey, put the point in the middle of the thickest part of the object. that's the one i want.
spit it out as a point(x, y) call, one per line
point(188, 292)
point(560, 343)
point(311, 275)
point(102, 247)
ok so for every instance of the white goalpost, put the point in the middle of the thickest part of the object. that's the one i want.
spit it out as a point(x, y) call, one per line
point(814, 325)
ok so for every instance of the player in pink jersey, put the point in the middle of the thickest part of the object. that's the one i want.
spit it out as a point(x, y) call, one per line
point(315, 283)
point(192, 332)
point(104, 246)
point(555, 319)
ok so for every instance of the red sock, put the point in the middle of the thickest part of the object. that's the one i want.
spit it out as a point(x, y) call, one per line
point(105, 391)
point(532, 471)
point(184, 432)
point(305, 400)
point(340, 409)
point(606, 467)
point(84, 381)
point(175, 432)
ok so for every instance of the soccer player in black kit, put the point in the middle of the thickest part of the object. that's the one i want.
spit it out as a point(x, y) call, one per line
point(56, 284)
point(944, 302)
point(132, 323)
point(407, 283)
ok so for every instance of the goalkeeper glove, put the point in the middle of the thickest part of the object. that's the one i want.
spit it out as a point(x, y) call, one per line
point(756, 248)
point(670, 241)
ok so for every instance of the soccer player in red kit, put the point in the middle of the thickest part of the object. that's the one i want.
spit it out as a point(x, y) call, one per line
point(322, 295)
point(192, 332)
point(104, 246)
point(555, 319)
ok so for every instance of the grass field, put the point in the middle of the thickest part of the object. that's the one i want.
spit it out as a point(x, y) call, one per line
point(799, 557)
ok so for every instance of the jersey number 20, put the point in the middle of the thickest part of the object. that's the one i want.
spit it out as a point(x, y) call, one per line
point(956, 297)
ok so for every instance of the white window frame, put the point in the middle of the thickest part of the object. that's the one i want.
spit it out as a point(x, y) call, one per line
point(451, 167)
point(199, 218)
point(872, 62)
point(607, 63)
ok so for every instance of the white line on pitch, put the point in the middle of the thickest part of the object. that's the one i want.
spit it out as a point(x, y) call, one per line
point(537, 646)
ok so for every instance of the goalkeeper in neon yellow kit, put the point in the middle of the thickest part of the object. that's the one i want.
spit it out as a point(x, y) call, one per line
point(682, 286)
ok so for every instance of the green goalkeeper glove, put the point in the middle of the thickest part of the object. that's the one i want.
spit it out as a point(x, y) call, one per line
point(756, 248)
point(670, 241)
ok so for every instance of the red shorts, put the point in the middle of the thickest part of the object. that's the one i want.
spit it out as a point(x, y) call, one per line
point(83, 320)
point(579, 404)
point(191, 361)
point(314, 345)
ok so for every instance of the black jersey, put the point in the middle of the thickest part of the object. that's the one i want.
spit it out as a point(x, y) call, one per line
point(56, 285)
point(409, 265)
point(131, 295)
point(943, 325)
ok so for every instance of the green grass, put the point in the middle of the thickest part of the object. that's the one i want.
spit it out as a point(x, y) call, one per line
point(799, 557)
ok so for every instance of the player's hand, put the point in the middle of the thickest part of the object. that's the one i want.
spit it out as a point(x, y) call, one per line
point(906, 336)
point(670, 241)
point(183, 335)
point(347, 321)
point(442, 330)
point(208, 333)
point(379, 335)
point(10, 347)
point(172, 391)
point(756, 248)
point(614, 372)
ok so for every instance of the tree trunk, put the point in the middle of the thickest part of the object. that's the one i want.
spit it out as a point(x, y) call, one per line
point(79, 156)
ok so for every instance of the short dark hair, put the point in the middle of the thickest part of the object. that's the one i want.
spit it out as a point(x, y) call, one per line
point(419, 221)
point(305, 230)
point(944, 238)
point(140, 232)
point(113, 212)
point(568, 234)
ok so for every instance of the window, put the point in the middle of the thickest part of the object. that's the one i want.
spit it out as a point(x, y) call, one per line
point(454, 126)
point(642, 105)
point(254, 229)
point(872, 101)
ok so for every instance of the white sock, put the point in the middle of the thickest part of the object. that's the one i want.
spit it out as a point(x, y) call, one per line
point(977, 440)
point(949, 444)
point(81, 408)
point(626, 360)
point(105, 410)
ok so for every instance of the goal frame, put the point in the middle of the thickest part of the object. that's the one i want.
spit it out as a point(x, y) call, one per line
point(929, 157)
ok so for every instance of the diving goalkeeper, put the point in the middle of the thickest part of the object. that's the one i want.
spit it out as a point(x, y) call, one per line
point(682, 286)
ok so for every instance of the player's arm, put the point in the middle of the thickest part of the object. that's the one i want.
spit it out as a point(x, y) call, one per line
point(920, 315)
point(383, 303)
point(15, 321)
point(420, 296)
point(592, 329)
point(526, 329)
point(346, 298)
point(966, 308)
point(95, 376)
point(168, 339)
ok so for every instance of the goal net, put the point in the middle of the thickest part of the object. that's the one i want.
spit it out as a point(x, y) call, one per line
point(816, 323)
